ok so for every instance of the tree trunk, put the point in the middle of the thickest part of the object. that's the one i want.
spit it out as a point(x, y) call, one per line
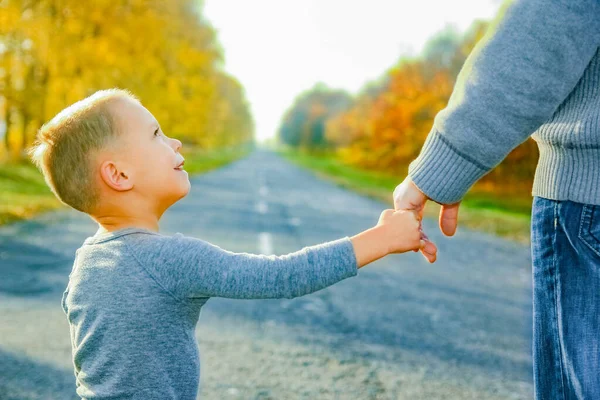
point(6, 135)
point(25, 130)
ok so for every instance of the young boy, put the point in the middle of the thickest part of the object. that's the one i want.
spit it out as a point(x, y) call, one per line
point(134, 295)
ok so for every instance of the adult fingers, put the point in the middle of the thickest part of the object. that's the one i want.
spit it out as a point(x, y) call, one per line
point(408, 197)
point(429, 251)
point(449, 218)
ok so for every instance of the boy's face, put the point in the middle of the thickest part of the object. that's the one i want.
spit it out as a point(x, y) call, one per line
point(148, 156)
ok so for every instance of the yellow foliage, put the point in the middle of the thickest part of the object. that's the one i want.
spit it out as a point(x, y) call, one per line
point(59, 51)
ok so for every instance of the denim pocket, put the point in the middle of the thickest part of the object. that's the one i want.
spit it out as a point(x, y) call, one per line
point(589, 229)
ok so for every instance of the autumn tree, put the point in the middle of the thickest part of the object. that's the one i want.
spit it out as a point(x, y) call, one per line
point(388, 128)
point(55, 52)
point(388, 122)
point(303, 125)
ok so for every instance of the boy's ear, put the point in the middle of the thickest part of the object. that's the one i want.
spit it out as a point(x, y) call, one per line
point(115, 177)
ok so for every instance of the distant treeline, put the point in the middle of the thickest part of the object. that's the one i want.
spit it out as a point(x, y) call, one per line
point(384, 127)
point(55, 52)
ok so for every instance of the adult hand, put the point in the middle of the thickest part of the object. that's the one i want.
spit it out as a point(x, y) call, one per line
point(407, 196)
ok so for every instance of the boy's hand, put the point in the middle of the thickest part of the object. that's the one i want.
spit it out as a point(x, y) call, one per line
point(396, 232)
point(401, 230)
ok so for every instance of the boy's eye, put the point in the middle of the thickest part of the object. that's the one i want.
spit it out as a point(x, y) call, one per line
point(156, 132)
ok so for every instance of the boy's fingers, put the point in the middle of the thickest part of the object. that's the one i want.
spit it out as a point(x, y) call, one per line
point(422, 244)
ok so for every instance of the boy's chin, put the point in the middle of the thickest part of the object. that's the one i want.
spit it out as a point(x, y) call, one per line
point(184, 192)
point(175, 195)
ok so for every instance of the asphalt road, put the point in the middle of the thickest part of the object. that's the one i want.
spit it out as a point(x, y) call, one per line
point(401, 329)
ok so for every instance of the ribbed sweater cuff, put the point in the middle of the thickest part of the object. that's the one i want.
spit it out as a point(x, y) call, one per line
point(443, 172)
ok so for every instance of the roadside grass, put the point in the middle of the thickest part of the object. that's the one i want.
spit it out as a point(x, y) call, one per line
point(24, 194)
point(507, 216)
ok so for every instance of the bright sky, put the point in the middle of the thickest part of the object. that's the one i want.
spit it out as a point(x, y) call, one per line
point(280, 48)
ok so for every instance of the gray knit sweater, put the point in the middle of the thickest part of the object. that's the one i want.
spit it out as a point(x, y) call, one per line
point(536, 72)
point(134, 298)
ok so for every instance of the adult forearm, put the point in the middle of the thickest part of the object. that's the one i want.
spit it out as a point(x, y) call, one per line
point(512, 82)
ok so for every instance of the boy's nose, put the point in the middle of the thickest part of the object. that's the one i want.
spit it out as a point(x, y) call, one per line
point(177, 144)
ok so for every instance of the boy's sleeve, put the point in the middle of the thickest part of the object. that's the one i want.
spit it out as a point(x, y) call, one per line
point(513, 81)
point(188, 267)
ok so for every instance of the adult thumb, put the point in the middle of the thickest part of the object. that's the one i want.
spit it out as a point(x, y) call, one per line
point(449, 218)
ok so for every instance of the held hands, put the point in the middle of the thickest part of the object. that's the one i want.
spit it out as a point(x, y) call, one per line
point(401, 230)
point(396, 232)
point(408, 197)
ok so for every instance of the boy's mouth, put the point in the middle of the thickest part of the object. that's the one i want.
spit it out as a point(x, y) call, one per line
point(180, 166)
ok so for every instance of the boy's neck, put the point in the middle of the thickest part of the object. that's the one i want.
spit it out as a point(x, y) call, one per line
point(111, 224)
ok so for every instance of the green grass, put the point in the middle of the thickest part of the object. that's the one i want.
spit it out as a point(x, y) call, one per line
point(24, 194)
point(506, 216)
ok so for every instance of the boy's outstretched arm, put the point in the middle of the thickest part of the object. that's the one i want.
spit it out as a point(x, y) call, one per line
point(188, 268)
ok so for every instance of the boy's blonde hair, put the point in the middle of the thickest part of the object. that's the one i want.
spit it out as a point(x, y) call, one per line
point(64, 146)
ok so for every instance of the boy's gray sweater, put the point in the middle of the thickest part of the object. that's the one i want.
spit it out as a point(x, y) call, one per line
point(134, 298)
point(537, 71)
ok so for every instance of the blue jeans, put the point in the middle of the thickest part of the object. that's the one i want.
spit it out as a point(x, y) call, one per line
point(565, 249)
